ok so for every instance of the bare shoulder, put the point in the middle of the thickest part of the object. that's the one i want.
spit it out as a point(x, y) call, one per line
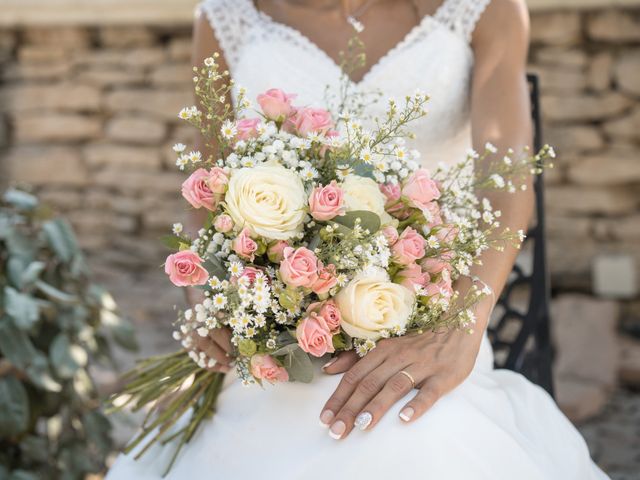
point(505, 22)
point(503, 31)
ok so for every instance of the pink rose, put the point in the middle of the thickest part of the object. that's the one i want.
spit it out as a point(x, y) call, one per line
point(185, 269)
point(420, 189)
point(447, 233)
point(391, 234)
point(412, 276)
point(435, 265)
point(329, 311)
point(275, 252)
point(275, 104)
point(249, 273)
point(314, 335)
point(244, 245)
point(264, 367)
point(299, 268)
point(393, 204)
point(331, 314)
point(247, 128)
point(307, 120)
point(409, 247)
point(223, 223)
point(442, 288)
point(326, 202)
point(326, 280)
point(205, 188)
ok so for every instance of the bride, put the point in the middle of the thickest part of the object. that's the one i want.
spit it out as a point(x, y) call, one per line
point(448, 414)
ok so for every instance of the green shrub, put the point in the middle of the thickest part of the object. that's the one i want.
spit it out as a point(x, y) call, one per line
point(54, 322)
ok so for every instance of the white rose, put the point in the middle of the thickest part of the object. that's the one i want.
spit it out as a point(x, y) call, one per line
point(268, 199)
point(371, 303)
point(363, 193)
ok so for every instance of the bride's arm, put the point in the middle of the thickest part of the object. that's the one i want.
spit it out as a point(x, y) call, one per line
point(440, 362)
point(217, 345)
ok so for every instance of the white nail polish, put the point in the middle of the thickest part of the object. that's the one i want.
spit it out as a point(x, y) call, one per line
point(363, 420)
point(406, 414)
point(330, 362)
point(335, 436)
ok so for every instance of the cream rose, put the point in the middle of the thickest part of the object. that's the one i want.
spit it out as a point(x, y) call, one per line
point(362, 193)
point(268, 199)
point(371, 303)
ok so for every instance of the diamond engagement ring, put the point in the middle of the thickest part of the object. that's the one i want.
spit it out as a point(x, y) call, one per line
point(408, 375)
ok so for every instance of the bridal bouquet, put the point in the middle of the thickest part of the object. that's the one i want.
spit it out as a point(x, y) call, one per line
point(322, 234)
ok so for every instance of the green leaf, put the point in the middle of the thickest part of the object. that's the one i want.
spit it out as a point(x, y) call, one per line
point(65, 356)
point(338, 342)
point(20, 199)
point(285, 350)
point(15, 345)
point(215, 267)
point(22, 308)
point(368, 220)
point(31, 273)
point(121, 330)
point(14, 405)
point(299, 366)
point(98, 430)
point(23, 475)
point(174, 242)
point(55, 294)
point(35, 448)
point(61, 239)
point(40, 374)
point(16, 265)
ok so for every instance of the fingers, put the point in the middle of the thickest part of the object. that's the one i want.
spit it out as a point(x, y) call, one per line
point(341, 363)
point(394, 389)
point(428, 395)
point(348, 383)
point(222, 336)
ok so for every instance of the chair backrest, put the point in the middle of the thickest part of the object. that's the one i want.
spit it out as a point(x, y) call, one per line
point(520, 328)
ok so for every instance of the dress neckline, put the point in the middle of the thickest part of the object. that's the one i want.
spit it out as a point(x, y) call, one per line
point(426, 23)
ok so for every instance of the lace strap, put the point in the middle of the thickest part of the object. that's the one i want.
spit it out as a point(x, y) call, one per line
point(461, 16)
point(230, 21)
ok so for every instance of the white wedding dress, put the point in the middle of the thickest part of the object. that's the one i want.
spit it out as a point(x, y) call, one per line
point(495, 426)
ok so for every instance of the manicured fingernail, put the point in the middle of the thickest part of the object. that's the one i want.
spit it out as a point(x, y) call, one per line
point(337, 429)
point(406, 414)
point(326, 417)
point(363, 420)
point(330, 362)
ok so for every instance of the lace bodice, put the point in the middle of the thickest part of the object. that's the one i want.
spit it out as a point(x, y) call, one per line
point(435, 56)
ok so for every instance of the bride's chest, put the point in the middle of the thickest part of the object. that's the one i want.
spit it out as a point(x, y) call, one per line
point(437, 62)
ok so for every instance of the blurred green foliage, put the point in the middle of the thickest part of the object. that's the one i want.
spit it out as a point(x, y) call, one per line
point(54, 322)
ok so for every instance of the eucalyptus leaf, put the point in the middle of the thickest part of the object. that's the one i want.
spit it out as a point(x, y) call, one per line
point(285, 350)
point(31, 273)
point(60, 238)
point(172, 242)
point(40, 374)
point(98, 430)
point(55, 294)
point(121, 330)
point(299, 366)
point(368, 220)
point(20, 199)
point(22, 308)
point(15, 344)
point(66, 357)
point(16, 265)
point(24, 475)
point(14, 405)
point(215, 267)
point(35, 448)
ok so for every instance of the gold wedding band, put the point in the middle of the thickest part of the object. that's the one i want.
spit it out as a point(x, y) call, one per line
point(408, 375)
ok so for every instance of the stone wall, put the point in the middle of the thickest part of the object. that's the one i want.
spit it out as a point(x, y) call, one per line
point(88, 115)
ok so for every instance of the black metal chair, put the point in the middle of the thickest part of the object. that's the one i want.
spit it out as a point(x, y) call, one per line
point(520, 328)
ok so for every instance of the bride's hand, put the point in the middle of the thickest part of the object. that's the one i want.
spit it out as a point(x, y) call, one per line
point(437, 362)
